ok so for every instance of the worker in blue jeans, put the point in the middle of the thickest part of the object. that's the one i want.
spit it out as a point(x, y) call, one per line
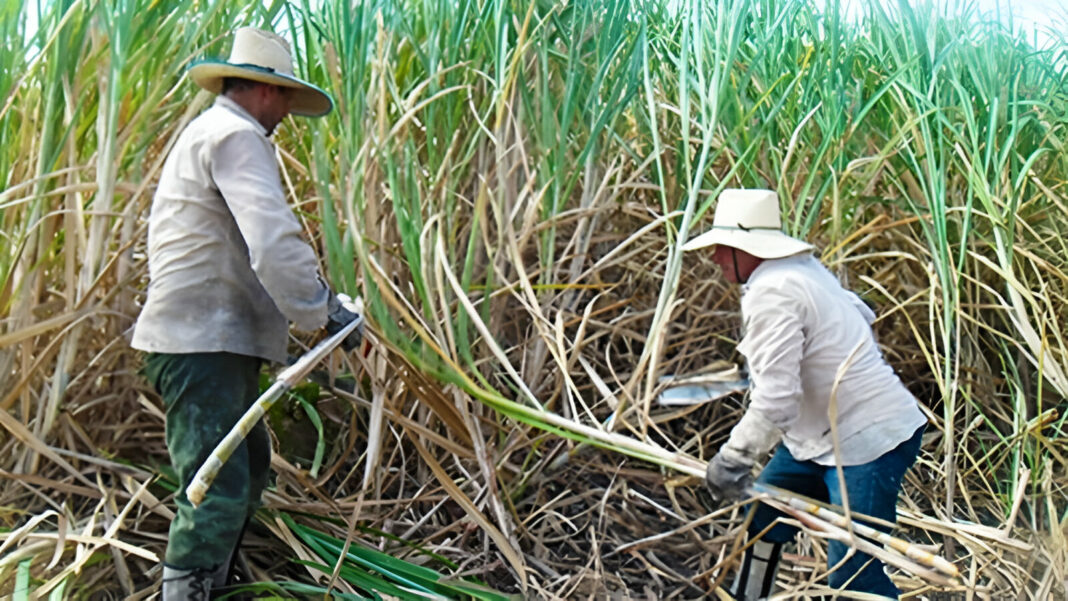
point(872, 489)
point(811, 354)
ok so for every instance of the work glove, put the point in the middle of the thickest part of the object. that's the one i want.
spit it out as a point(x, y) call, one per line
point(727, 478)
point(340, 311)
point(729, 473)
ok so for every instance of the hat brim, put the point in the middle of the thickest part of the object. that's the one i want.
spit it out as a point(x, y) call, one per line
point(308, 100)
point(765, 244)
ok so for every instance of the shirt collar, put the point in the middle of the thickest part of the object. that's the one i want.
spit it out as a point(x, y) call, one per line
point(237, 109)
point(767, 263)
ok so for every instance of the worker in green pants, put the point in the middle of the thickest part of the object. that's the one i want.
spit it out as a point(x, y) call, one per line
point(228, 271)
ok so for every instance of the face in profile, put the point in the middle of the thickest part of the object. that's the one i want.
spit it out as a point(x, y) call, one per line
point(275, 104)
point(735, 264)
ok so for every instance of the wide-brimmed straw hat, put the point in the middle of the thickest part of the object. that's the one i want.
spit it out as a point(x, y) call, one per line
point(262, 56)
point(749, 220)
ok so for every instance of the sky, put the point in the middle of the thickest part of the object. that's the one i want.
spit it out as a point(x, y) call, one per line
point(1030, 16)
point(1029, 10)
point(1034, 15)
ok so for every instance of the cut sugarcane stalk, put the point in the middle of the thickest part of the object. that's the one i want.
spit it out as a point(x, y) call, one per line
point(904, 547)
point(286, 380)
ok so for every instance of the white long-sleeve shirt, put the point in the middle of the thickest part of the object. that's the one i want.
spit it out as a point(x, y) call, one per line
point(227, 262)
point(801, 328)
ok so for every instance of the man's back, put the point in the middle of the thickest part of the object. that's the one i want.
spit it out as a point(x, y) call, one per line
point(227, 263)
point(809, 339)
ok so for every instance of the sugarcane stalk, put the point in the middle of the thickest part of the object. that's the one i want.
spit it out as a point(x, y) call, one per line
point(921, 556)
point(290, 377)
point(862, 545)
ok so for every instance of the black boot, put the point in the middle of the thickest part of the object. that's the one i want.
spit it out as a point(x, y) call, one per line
point(755, 579)
point(186, 585)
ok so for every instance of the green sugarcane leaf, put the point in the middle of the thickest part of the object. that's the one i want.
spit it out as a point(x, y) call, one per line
point(22, 581)
point(320, 444)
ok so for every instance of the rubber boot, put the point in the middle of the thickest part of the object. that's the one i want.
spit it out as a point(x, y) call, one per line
point(756, 576)
point(220, 577)
point(186, 585)
point(223, 575)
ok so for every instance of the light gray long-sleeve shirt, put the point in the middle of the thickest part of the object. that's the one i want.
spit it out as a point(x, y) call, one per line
point(801, 329)
point(228, 266)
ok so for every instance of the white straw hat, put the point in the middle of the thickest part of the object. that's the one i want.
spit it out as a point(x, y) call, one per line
point(749, 220)
point(262, 56)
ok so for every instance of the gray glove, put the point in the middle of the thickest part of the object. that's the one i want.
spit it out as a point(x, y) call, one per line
point(728, 473)
point(341, 311)
point(727, 479)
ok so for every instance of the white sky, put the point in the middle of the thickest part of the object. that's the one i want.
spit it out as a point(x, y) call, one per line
point(1029, 10)
point(1030, 16)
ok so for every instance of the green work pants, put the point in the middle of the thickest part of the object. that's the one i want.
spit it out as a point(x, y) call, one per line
point(205, 394)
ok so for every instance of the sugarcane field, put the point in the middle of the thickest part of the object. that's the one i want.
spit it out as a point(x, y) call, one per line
point(493, 300)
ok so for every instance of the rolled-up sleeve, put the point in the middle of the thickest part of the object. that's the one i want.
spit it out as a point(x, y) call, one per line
point(245, 172)
point(773, 346)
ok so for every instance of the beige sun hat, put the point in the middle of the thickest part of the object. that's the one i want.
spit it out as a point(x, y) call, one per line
point(749, 220)
point(262, 56)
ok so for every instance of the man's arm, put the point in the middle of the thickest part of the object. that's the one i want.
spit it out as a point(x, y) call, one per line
point(773, 345)
point(246, 174)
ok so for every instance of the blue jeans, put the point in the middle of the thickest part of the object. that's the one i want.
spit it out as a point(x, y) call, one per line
point(872, 488)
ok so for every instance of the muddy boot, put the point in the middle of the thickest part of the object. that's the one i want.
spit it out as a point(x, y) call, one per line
point(756, 576)
point(222, 577)
point(186, 585)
